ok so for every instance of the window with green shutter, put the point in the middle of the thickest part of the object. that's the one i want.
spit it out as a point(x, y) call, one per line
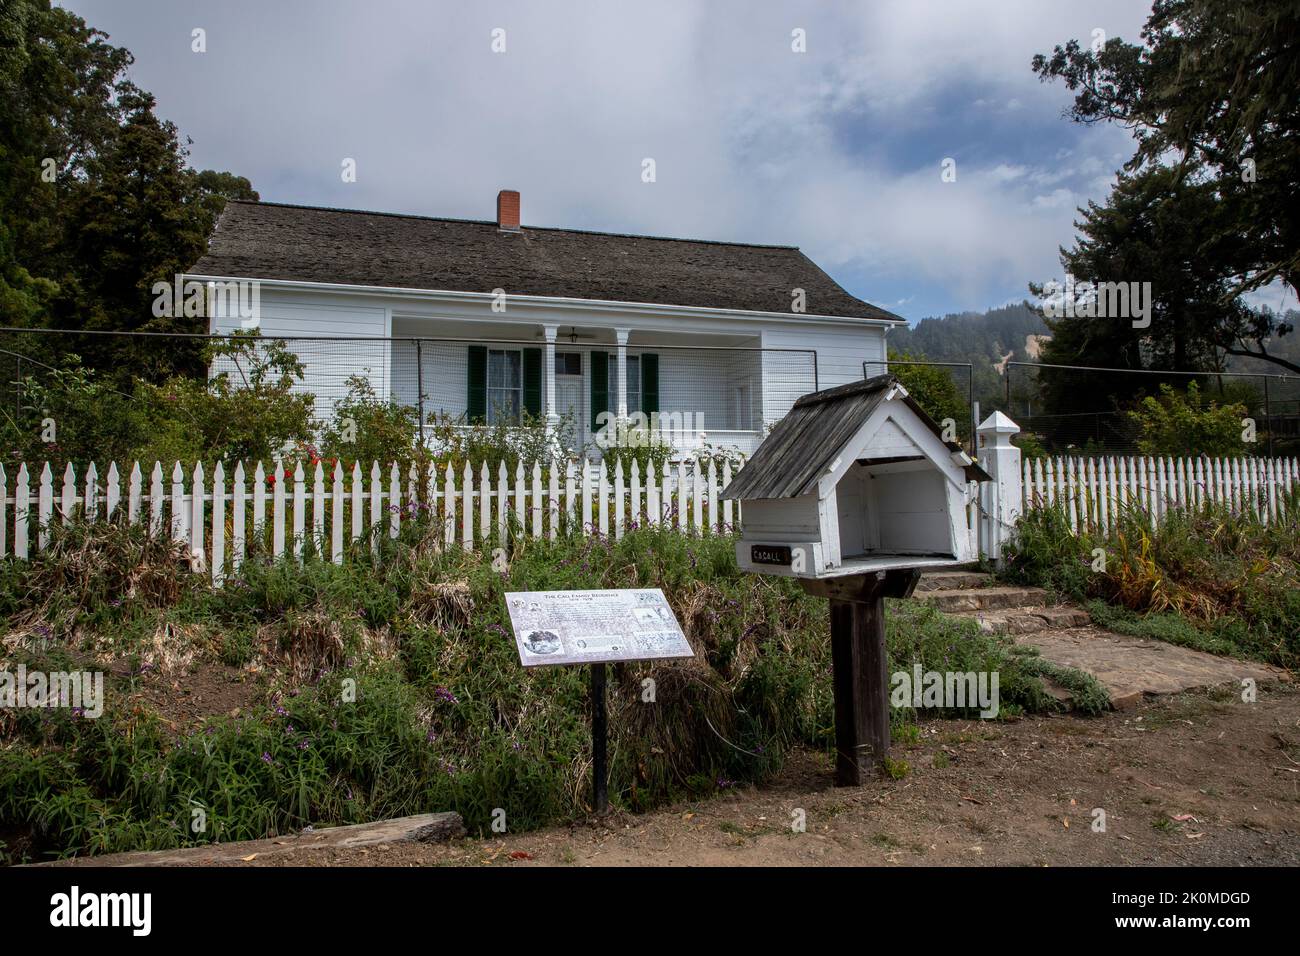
point(599, 387)
point(533, 381)
point(476, 397)
point(649, 383)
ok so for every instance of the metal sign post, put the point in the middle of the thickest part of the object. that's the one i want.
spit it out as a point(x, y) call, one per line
point(595, 628)
point(599, 772)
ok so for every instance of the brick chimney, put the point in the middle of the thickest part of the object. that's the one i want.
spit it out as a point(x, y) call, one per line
point(508, 210)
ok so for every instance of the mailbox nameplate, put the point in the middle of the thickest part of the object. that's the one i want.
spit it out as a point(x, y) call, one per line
point(778, 554)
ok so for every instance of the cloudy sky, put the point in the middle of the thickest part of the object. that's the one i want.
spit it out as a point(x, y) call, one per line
point(838, 149)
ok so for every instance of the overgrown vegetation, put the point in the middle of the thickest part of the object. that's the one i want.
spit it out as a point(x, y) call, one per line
point(1206, 578)
point(250, 409)
point(390, 685)
point(1182, 423)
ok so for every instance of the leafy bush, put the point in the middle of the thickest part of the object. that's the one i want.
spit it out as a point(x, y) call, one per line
point(1184, 424)
point(367, 429)
point(1207, 577)
point(70, 414)
point(934, 389)
point(249, 410)
point(526, 441)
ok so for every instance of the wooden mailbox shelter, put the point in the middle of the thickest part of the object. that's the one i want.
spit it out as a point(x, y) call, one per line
point(853, 493)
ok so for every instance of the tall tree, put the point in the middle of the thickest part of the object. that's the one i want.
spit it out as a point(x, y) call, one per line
point(1212, 85)
point(1149, 231)
point(97, 200)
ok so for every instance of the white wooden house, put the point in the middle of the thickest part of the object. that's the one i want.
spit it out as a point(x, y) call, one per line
point(480, 319)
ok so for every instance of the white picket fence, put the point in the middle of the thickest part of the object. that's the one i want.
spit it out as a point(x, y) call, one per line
point(1094, 491)
point(324, 514)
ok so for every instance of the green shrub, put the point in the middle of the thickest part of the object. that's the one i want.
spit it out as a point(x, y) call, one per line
point(1207, 578)
point(1184, 424)
point(443, 716)
point(250, 411)
point(367, 429)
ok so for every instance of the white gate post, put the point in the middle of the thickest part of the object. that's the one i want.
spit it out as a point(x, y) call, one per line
point(1001, 459)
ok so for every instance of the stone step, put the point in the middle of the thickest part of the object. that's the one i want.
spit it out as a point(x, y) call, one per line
point(1027, 620)
point(1131, 668)
point(976, 599)
point(953, 580)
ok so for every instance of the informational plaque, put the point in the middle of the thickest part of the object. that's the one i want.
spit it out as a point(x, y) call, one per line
point(592, 627)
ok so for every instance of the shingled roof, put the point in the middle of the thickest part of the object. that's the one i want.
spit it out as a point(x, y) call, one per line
point(802, 445)
point(259, 240)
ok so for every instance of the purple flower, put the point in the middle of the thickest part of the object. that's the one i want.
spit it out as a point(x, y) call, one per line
point(445, 695)
point(266, 757)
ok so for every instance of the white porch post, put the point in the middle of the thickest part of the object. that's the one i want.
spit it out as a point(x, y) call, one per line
point(621, 367)
point(1001, 497)
point(548, 371)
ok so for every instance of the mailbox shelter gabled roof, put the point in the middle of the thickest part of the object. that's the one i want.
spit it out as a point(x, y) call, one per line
point(803, 445)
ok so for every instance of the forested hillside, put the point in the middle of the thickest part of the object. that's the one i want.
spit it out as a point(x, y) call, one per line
point(985, 339)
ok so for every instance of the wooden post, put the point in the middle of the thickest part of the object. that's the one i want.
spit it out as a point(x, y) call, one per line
point(859, 667)
point(599, 772)
point(861, 689)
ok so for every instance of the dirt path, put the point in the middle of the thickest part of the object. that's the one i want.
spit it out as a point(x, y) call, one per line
point(1192, 779)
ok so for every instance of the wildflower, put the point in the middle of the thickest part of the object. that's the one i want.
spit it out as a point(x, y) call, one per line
point(445, 695)
point(266, 757)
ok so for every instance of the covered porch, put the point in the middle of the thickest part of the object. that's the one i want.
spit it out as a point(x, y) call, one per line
point(685, 390)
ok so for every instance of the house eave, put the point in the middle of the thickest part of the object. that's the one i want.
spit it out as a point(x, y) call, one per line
point(548, 302)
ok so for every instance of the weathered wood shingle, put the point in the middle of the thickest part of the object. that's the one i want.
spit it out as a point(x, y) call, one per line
point(802, 445)
point(303, 243)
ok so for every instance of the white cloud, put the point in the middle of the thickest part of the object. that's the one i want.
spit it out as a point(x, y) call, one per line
point(749, 137)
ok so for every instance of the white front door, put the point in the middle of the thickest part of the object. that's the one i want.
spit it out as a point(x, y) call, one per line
point(568, 389)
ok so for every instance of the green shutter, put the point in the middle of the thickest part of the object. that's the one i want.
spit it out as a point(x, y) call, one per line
point(476, 397)
point(533, 381)
point(599, 386)
point(649, 383)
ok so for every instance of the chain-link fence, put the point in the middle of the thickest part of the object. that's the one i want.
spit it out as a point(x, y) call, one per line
point(701, 395)
point(1085, 410)
point(1091, 410)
